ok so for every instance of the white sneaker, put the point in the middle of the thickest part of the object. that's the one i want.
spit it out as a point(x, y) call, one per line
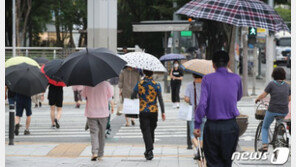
point(174, 105)
point(178, 105)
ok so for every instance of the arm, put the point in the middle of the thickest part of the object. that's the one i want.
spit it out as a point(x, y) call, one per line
point(289, 98)
point(135, 92)
point(187, 100)
point(171, 75)
point(262, 96)
point(240, 90)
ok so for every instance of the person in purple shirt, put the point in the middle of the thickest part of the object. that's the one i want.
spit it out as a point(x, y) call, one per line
point(220, 92)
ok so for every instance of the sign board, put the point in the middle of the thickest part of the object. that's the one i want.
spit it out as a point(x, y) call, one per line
point(186, 33)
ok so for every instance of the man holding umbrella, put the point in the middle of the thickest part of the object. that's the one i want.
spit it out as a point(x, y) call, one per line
point(220, 92)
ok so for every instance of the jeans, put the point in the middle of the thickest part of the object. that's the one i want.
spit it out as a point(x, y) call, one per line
point(268, 119)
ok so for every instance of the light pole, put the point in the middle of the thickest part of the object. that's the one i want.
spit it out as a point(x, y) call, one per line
point(13, 28)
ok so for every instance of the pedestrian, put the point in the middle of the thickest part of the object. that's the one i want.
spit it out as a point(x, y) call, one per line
point(97, 114)
point(11, 97)
point(128, 79)
point(77, 95)
point(22, 102)
point(55, 98)
point(280, 96)
point(149, 91)
point(220, 92)
point(111, 108)
point(192, 96)
point(38, 99)
point(176, 81)
point(114, 83)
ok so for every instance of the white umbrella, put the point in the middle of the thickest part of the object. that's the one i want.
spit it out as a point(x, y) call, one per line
point(143, 61)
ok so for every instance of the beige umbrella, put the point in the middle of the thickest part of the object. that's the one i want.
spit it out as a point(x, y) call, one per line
point(199, 66)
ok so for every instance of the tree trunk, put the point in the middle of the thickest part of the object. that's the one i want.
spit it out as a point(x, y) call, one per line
point(231, 50)
point(245, 63)
point(71, 41)
point(24, 30)
point(17, 22)
point(57, 26)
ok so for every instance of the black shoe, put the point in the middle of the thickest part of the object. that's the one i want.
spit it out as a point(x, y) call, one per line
point(86, 127)
point(27, 132)
point(57, 123)
point(133, 122)
point(53, 126)
point(40, 104)
point(197, 156)
point(36, 105)
point(16, 130)
point(149, 155)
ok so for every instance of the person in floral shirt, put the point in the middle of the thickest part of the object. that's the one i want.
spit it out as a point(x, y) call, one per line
point(149, 91)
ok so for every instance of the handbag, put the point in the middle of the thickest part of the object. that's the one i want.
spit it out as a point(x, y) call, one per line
point(185, 112)
point(131, 106)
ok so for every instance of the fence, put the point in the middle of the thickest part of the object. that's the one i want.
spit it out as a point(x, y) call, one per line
point(47, 52)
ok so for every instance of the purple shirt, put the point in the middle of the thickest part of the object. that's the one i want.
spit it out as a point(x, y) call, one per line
point(220, 92)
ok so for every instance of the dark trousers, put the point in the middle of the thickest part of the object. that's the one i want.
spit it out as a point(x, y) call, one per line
point(148, 123)
point(220, 141)
point(175, 86)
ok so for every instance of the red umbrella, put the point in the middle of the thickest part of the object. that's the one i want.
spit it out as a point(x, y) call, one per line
point(47, 71)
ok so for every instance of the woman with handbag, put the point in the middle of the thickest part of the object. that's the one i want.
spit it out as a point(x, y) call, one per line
point(280, 96)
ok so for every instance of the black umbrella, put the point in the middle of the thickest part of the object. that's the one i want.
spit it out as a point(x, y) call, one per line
point(41, 60)
point(50, 69)
point(90, 67)
point(25, 79)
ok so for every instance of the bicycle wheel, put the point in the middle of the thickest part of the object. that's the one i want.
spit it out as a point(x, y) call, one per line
point(280, 137)
point(258, 138)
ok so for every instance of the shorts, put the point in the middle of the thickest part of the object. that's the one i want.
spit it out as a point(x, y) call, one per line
point(22, 104)
point(201, 129)
point(55, 96)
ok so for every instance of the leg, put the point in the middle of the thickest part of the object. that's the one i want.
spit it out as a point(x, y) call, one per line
point(229, 139)
point(52, 114)
point(178, 86)
point(268, 119)
point(101, 136)
point(17, 120)
point(94, 134)
point(28, 122)
point(189, 144)
point(212, 145)
point(28, 114)
point(127, 121)
point(153, 125)
point(145, 128)
point(59, 113)
point(173, 88)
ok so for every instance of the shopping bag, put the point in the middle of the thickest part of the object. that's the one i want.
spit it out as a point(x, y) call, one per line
point(130, 106)
point(185, 112)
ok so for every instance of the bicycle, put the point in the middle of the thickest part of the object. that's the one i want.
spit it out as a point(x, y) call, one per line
point(279, 136)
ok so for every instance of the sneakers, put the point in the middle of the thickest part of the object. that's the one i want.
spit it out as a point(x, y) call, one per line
point(57, 123)
point(16, 130)
point(148, 155)
point(94, 157)
point(36, 105)
point(40, 104)
point(27, 132)
point(77, 106)
point(133, 122)
point(177, 105)
point(53, 126)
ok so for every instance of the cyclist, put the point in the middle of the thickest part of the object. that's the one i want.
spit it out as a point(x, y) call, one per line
point(280, 95)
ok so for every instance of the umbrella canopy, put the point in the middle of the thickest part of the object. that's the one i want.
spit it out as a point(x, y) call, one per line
point(41, 60)
point(25, 79)
point(20, 59)
point(241, 13)
point(143, 61)
point(172, 56)
point(90, 67)
point(50, 69)
point(199, 66)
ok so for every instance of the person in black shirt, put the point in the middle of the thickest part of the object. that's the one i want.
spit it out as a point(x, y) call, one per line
point(176, 80)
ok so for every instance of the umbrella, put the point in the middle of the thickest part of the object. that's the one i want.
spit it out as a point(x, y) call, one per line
point(241, 13)
point(25, 79)
point(50, 69)
point(172, 56)
point(90, 67)
point(199, 66)
point(20, 59)
point(143, 61)
point(41, 60)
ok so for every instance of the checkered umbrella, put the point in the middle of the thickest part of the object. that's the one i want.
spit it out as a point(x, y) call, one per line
point(241, 13)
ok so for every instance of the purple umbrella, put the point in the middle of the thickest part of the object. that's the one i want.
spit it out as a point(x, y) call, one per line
point(172, 56)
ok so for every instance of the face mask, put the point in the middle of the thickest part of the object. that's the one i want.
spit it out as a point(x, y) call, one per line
point(176, 65)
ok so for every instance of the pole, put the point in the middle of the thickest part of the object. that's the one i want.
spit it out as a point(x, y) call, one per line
point(11, 124)
point(270, 51)
point(165, 79)
point(255, 67)
point(176, 34)
point(13, 29)
point(245, 62)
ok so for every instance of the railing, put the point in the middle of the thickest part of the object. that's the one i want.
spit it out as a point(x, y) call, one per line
point(48, 52)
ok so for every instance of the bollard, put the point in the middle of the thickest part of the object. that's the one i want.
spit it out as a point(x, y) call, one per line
point(189, 144)
point(11, 125)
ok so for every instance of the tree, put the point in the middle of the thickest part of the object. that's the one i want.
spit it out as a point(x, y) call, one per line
point(23, 9)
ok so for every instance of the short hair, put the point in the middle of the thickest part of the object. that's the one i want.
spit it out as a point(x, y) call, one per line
point(197, 76)
point(220, 59)
point(148, 73)
point(278, 73)
point(124, 47)
point(176, 61)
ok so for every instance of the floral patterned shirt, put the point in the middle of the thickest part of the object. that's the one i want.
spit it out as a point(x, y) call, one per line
point(148, 89)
